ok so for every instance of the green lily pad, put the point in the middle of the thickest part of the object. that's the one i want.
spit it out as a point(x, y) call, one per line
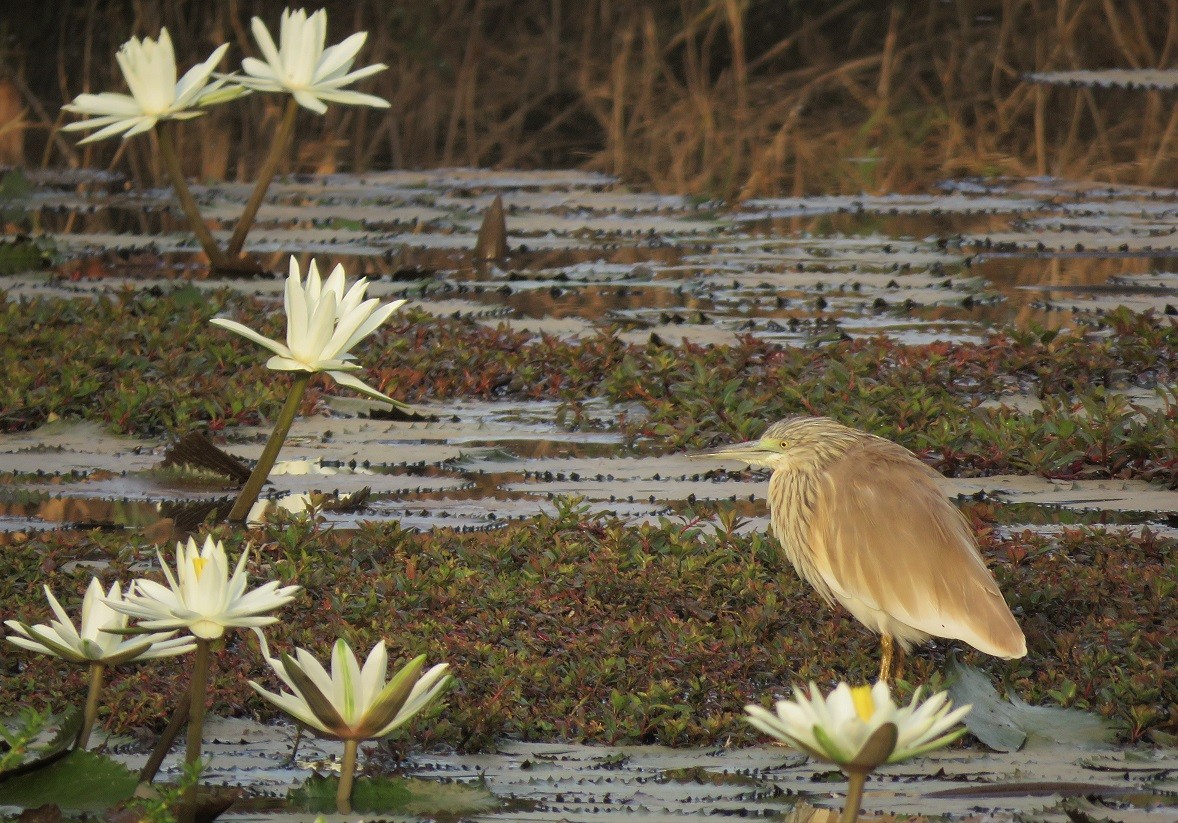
point(1010, 725)
point(406, 795)
point(50, 738)
point(80, 781)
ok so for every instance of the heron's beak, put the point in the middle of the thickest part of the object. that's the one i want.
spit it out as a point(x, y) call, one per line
point(752, 452)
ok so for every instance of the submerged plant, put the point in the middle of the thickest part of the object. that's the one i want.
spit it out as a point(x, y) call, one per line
point(353, 704)
point(99, 642)
point(205, 599)
point(323, 323)
point(859, 729)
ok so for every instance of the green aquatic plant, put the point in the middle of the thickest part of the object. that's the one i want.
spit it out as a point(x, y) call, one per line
point(313, 76)
point(204, 599)
point(323, 323)
point(859, 729)
point(353, 704)
point(583, 626)
point(99, 642)
point(301, 66)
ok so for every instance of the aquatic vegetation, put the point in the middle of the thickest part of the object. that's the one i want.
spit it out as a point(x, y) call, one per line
point(312, 75)
point(323, 323)
point(581, 627)
point(859, 729)
point(944, 401)
point(353, 704)
point(205, 600)
point(301, 66)
point(149, 68)
point(97, 642)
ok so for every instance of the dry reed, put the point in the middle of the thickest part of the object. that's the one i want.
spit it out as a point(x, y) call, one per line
point(736, 98)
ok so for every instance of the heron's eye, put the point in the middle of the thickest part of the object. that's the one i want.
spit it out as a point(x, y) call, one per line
point(784, 444)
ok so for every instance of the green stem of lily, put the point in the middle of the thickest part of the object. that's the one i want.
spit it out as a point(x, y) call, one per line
point(217, 258)
point(277, 149)
point(164, 745)
point(196, 716)
point(91, 713)
point(197, 697)
point(343, 796)
point(855, 782)
point(249, 492)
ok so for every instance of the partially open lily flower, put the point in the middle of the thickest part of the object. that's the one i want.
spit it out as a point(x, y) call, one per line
point(860, 727)
point(149, 67)
point(101, 636)
point(353, 703)
point(202, 597)
point(302, 66)
point(323, 323)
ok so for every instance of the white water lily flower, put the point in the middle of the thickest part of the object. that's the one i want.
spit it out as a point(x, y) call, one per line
point(301, 65)
point(202, 597)
point(839, 728)
point(101, 637)
point(323, 323)
point(149, 67)
point(353, 703)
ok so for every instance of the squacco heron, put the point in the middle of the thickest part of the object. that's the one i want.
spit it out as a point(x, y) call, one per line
point(863, 521)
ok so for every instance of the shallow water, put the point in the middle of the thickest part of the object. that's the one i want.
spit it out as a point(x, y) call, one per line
point(553, 782)
point(585, 256)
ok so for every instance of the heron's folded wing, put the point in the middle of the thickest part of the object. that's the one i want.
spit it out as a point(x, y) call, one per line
point(885, 534)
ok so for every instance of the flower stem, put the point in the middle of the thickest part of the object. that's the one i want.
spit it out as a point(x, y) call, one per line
point(196, 715)
point(265, 175)
point(343, 796)
point(197, 696)
point(217, 258)
point(855, 782)
point(164, 744)
point(91, 712)
point(249, 492)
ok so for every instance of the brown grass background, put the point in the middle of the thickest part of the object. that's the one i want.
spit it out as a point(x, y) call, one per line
point(731, 98)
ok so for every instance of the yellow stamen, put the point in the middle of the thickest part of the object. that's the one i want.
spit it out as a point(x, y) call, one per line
point(198, 563)
point(864, 704)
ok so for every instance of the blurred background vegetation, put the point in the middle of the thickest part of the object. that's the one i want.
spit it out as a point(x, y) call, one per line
point(736, 98)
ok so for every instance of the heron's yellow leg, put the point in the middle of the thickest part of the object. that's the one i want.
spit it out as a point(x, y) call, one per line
point(885, 662)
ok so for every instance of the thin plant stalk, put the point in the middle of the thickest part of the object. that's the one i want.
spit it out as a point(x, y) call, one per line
point(197, 698)
point(856, 779)
point(343, 795)
point(164, 745)
point(249, 492)
point(196, 715)
point(217, 258)
point(277, 150)
point(97, 670)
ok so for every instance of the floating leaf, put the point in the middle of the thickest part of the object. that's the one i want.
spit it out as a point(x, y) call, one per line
point(397, 794)
point(1008, 726)
point(80, 781)
point(49, 742)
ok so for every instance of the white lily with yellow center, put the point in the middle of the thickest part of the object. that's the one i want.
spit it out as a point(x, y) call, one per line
point(100, 637)
point(323, 323)
point(202, 597)
point(149, 67)
point(302, 66)
point(860, 727)
point(354, 703)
